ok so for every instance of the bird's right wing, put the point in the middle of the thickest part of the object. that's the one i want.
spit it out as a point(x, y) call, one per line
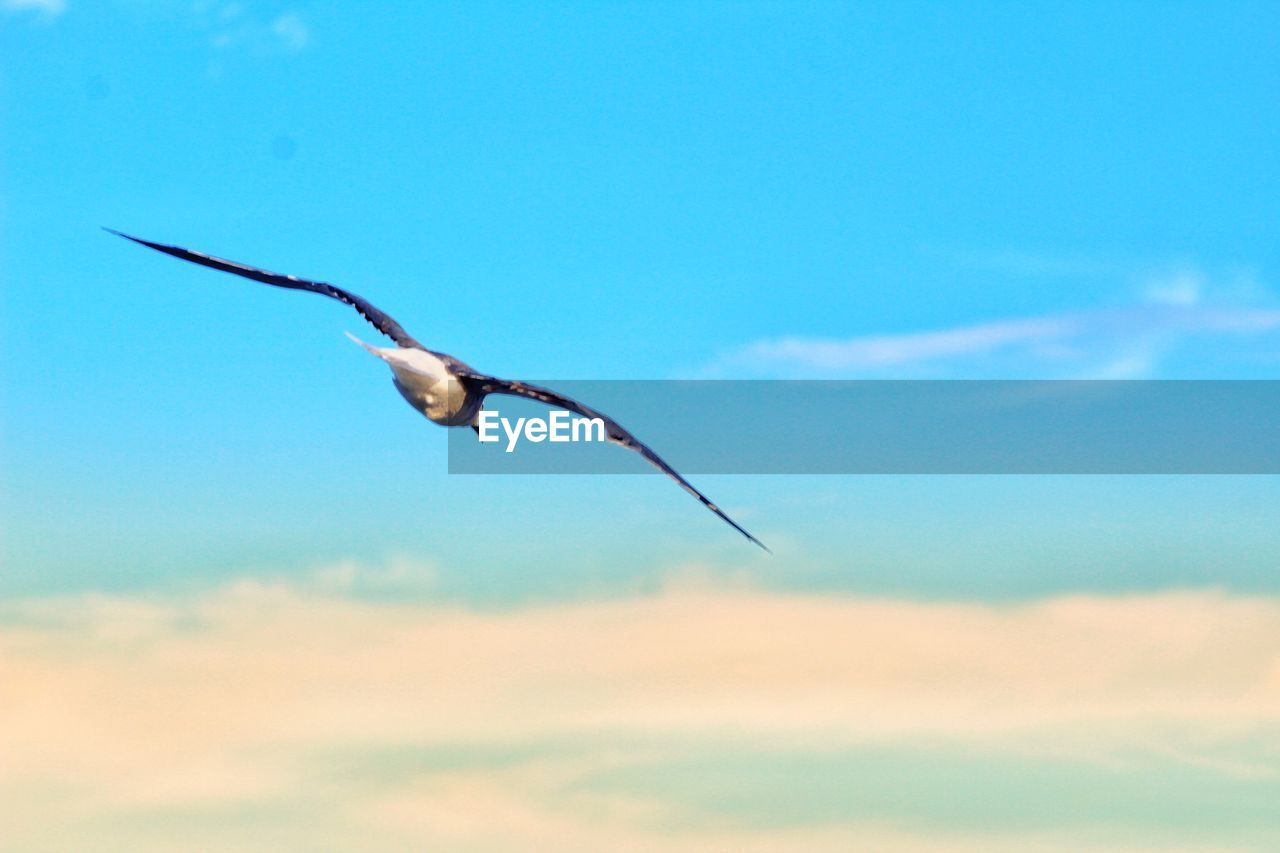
point(381, 321)
point(615, 432)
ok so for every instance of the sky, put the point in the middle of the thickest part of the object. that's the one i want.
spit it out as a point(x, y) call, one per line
point(204, 485)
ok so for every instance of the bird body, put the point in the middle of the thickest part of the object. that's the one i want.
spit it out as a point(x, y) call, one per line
point(427, 384)
point(446, 390)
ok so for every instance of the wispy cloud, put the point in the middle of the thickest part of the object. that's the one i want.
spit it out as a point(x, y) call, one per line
point(910, 348)
point(673, 721)
point(49, 8)
point(235, 26)
point(291, 31)
point(1116, 342)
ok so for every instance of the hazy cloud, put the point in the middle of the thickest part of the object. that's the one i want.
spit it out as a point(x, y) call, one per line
point(291, 31)
point(235, 26)
point(264, 710)
point(50, 8)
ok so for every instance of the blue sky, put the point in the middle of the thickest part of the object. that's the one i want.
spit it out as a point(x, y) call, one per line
point(607, 191)
point(632, 191)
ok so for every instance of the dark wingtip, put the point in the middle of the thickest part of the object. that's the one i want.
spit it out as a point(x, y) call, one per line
point(159, 247)
point(137, 240)
point(124, 235)
point(738, 527)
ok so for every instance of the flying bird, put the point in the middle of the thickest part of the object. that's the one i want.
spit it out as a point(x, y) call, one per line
point(446, 390)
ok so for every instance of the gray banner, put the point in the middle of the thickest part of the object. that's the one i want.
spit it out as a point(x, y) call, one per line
point(899, 427)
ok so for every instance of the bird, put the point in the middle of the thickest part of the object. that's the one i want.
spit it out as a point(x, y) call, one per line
point(446, 390)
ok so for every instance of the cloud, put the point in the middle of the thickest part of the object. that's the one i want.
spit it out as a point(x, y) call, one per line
point(232, 26)
point(672, 721)
point(398, 578)
point(1112, 343)
point(1118, 344)
point(49, 8)
point(291, 31)
point(1183, 288)
point(894, 350)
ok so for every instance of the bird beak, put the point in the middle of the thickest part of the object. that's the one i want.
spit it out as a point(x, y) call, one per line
point(372, 349)
point(393, 357)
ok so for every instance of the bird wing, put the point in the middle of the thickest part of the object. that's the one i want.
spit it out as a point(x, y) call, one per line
point(615, 432)
point(381, 321)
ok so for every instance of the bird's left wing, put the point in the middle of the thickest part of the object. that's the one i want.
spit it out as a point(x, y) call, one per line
point(381, 321)
point(615, 432)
